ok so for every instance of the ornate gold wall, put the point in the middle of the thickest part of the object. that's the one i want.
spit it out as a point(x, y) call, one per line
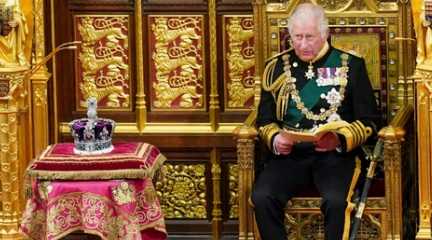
point(178, 74)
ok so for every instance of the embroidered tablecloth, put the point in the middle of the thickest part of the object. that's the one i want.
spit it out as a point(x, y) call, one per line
point(113, 209)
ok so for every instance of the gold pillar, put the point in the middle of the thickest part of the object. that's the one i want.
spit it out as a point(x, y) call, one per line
point(393, 137)
point(216, 182)
point(246, 137)
point(141, 117)
point(214, 96)
point(39, 111)
point(14, 153)
point(423, 82)
point(38, 86)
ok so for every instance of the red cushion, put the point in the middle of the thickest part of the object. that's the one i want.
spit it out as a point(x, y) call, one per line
point(376, 190)
point(127, 160)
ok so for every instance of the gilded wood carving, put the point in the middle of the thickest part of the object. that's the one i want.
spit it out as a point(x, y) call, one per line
point(233, 190)
point(15, 37)
point(182, 191)
point(424, 134)
point(239, 62)
point(364, 43)
point(177, 72)
point(103, 61)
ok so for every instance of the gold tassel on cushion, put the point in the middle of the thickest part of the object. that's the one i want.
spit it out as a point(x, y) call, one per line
point(355, 134)
point(267, 132)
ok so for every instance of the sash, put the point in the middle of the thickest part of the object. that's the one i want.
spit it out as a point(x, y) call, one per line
point(310, 94)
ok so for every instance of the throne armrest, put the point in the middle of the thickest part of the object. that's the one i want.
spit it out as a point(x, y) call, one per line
point(393, 137)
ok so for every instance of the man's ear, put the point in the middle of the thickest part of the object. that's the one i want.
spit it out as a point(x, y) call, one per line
point(327, 35)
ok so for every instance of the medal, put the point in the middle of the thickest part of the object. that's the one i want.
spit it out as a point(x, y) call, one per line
point(310, 72)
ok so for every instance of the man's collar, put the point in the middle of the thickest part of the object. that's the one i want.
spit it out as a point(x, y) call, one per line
point(322, 52)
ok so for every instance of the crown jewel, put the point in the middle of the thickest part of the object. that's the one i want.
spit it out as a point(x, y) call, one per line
point(92, 135)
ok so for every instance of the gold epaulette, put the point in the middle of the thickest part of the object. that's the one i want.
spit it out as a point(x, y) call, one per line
point(355, 134)
point(267, 132)
point(279, 54)
point(352, 52)
point(268, 84)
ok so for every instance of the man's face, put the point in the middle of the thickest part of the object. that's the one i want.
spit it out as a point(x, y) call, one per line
point(307, 40)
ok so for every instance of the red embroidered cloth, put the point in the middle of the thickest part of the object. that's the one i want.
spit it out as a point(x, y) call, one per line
point(110, 195)
point(110, 209)
point(127, 160)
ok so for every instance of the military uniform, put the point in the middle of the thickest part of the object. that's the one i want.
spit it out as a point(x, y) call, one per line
point(301, 96)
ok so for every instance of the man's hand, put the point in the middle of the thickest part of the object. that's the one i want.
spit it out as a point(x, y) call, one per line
point(283, 145)
point(328, 142)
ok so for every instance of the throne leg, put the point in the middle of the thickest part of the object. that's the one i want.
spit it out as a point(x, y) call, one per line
point(245, 156)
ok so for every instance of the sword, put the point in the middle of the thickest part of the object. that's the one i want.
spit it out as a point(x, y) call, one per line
point(374, 157)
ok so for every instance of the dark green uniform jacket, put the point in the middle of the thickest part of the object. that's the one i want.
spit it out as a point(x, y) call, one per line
point(335, 76)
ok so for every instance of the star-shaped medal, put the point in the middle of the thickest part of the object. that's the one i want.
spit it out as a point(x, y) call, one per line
point(310, 72)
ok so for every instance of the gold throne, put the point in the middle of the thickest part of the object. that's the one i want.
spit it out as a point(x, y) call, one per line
point(361, 27)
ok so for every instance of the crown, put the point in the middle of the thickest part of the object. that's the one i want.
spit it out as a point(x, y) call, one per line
point(92, 135)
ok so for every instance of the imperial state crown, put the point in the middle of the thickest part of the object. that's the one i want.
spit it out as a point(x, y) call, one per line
point(92, 135)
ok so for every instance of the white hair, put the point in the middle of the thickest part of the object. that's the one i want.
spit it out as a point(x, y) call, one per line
point(306, 12)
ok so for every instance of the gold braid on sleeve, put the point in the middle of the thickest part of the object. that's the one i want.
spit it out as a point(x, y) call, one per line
point(267, 132)
point(355, 134)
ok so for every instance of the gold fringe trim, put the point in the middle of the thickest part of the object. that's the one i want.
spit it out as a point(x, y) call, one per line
point(351, 205)
point(98, 174)
point(266, 133)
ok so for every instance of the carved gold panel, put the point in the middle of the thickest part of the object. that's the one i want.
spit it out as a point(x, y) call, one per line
point(303, 219)
point(102, 65)
point(338, 5)
point(366, 43)
point(4, 87)
point(308, 226)
point(177, 72)
point(182, 191)
point(233, 190)
point(239, 61)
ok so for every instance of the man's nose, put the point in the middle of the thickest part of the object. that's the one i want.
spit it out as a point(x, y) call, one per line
point(303, 43)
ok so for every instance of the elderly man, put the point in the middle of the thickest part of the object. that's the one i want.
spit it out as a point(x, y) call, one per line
point(303, 88)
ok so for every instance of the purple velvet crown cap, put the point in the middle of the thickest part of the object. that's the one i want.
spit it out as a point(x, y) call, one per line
point(102, 128)
point(92, 135)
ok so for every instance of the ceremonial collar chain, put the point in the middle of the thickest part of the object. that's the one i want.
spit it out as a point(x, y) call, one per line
point(334, 98)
